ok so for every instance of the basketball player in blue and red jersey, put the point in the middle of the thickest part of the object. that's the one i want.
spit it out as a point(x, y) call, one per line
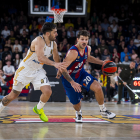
point(75, 58)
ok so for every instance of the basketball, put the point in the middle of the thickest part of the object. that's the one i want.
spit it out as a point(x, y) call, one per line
point(109, 68)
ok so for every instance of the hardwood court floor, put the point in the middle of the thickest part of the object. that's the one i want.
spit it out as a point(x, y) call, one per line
point(24, 124)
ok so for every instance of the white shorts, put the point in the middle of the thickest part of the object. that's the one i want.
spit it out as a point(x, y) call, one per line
point(24, 75)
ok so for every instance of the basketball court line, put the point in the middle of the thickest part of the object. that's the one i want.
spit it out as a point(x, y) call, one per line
point(22, 119)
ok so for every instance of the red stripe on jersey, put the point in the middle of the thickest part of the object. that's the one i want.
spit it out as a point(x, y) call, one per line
point(73, 67)
point(78, 73)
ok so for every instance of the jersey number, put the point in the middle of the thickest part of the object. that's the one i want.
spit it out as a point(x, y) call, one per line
point(87, 80)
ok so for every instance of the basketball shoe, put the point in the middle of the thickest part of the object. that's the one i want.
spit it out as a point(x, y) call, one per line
point(41, 114)
point(107, 114)
point(78, 118)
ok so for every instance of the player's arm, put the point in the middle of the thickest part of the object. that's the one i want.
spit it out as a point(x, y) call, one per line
point(39, 50)
point(70, 57)
point(56, 56)
point(92, 59)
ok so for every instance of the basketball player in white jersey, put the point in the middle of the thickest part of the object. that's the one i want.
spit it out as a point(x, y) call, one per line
point(30, 69)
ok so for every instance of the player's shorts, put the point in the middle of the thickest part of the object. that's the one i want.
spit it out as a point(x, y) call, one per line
point(24, 75)
point(85, 79)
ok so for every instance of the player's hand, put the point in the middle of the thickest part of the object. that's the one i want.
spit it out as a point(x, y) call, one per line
point(61, 65)
point(58, 74)
point(124, 83)
point(76, 86)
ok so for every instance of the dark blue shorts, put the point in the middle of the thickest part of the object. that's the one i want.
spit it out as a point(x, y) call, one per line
point(84, 79)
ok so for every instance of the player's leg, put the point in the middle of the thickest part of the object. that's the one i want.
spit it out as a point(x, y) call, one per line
point(96, 87)
point(41, 82)
point(120, 90)
point(11, 96)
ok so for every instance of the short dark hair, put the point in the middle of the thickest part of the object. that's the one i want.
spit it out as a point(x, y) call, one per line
point(84, 33)
point(47, 27)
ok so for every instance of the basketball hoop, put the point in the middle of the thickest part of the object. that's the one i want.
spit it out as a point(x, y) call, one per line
point(58, 15)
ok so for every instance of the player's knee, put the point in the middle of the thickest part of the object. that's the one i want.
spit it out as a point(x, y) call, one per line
point(98, 88)
point(48, 92)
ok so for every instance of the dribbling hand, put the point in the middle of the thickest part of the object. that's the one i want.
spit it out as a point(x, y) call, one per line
point(76, 86)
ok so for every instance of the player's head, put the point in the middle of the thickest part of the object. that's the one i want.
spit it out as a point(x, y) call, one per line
point(132, 65)
point(49, 29)
point(82, 38)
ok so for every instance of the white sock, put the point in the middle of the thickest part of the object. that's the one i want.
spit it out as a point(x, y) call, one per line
point(40, 104)
point(78, 112)
point(102, 107)
point(1, 107)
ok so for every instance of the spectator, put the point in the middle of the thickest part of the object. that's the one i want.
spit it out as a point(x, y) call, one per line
point(3, 82)
point(34, 27)
point(80, 28)
point(16, 32)
point(102, 47)
point(64, 46)
point(5, 53)
point(94, 18)
point(93, 46)
point(88, 24)
point(40, 26)
point(109, 39)
point(133, 34)
point(121, 47)
point(69, 24)
point(78, 23)
point(32, 37)
point(112, 46)
point(137, 41)
point(126, 61)
point(116, 60)
point(25, 52)
point(5, 32)
point(25, 41)
point(114, 17)
point(105, 55)
point(24, 28)
point(134, 55)
point(17, 52)
point(137, 62)
point(122, 20)
point(115, 54)
point(120, 40)
point(119, 32)
point(100, 31)
point(95, 40)
point(9, 57)
point(124, 53)
point(23, 16)
point(114, 26)
point(131, 46)
point(70, 32)
point(96, 53)
point(100, 39)
point(8, 69)
point(11, 37)
point(17, 45)
point(132, 25)
point(91, 30)
point(64, 35)
point(40, 19)
point(109, 30)
point(1, 65)
point(21, 22)
point(105, 24)
point(9, 45)
point(17, 61)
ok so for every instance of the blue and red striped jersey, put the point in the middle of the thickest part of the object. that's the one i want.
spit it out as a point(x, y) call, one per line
point(76, 67)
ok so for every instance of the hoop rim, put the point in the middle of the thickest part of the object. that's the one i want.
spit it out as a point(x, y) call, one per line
point(59, 9)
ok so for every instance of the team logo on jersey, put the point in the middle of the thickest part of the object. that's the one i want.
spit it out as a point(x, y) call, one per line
point(42, 81)
point(78, 57)
point(84, 84)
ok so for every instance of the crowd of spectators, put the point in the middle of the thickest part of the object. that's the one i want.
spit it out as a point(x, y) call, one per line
point(114, 36)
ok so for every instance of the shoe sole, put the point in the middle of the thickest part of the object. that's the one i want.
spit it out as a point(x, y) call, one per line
point(40, 116)
point(78, 121)
point(107, 117)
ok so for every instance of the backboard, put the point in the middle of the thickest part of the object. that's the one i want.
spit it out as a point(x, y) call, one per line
point(43, 7)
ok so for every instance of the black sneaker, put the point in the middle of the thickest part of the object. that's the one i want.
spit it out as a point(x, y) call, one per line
point(107, 114)
point(78, 119)
point(119, 102)
point(134, 102)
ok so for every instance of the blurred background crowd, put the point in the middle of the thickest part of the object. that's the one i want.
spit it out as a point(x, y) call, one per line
point(114, 35)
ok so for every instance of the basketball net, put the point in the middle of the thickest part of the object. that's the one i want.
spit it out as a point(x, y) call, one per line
point(58, 15)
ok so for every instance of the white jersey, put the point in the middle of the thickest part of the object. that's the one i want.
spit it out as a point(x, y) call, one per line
point(31, 58)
